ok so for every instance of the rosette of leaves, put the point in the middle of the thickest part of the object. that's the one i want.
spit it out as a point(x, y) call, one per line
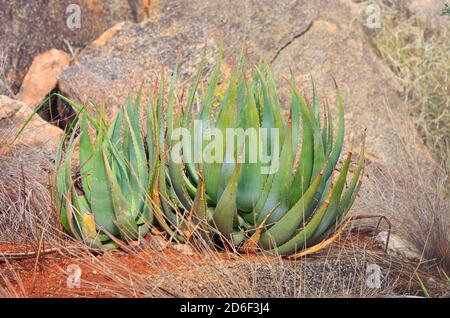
point(134, 175)
point(231, 200)
point(105, 200)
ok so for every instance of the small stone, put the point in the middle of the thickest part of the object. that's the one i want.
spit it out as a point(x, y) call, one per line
point(158, 243)
point(398, 246)
point(184, 249)
point(38, 133)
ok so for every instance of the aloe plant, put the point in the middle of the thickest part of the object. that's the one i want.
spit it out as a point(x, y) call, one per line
point(106, 203)
point(297, 206)
point(129, 179)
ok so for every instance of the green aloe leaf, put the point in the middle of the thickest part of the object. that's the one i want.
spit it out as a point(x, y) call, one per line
point(86, 221)
point(232, 150)
point(349, 195)
point(86, 152)
point(303, 174)
point(179, 183)
point(226, 208)
point(335, 152)
point(69, 186)
point(187, 145)
point(212, 170)
point(332, 213)
point(250, 183)
point(299, 240)
point(267, 114)
point(277, 111)
point(101, 196)
point(170, 101)
point(124, 218)
point(281, 184)
point(209, 97)
point(282, 230)
point(138, 173)
point(295, 118)
point(315, 101)
point(199, 211)
point(61, 189)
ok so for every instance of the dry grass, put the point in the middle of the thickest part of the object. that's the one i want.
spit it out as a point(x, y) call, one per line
point(419, 206)
point(167, 273)
point(414, 194)
point(419, 203)
point(10, 284)
point(419, 55)
point(179, 271)
point(25, 203)
point(429, 220)
point(163, 269)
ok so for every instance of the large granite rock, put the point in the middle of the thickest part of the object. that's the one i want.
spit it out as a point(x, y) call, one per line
point(41, 78)
point(32, 27)
point(40, 136)
point(179, 32)
point(317, 39)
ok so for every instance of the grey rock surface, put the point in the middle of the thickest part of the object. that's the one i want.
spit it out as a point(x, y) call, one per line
point(320, 39)
point(179, 32)
point(32, 27)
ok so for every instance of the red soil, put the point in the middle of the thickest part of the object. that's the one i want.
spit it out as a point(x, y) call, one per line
point(47, 276)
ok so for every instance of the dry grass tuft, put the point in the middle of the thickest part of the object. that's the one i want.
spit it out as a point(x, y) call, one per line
point(415, 195)
point(10, 283)
point(25, 202)
point(419, 207)
point(419, 55)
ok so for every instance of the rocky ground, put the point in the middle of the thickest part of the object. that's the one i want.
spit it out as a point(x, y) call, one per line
point(122, 45)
